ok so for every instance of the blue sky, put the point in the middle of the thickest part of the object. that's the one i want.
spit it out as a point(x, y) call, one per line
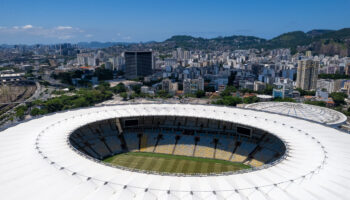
point(54, 21)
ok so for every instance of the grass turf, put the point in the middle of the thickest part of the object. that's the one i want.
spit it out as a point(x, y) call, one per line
point(173, 163)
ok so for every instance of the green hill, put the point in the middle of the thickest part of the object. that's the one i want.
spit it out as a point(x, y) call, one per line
point(320, 41)
point(318, 32)
point(218, 43)
point(288, 40)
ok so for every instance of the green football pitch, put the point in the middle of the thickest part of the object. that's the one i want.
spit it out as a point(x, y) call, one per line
point(173, 163)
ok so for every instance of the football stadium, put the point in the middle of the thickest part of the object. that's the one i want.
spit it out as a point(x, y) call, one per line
point(175, 151)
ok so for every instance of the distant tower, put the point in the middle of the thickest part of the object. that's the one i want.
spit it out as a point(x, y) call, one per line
point(138, 64)
point(307, 74)
point(308, 54)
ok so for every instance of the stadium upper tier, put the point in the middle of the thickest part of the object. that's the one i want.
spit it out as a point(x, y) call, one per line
point(304, 111)
point(38, 161)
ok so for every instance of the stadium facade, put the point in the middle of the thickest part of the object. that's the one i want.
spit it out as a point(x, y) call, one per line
point(39, 160)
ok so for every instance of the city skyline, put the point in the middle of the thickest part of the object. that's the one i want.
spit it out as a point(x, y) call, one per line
point(109, 21)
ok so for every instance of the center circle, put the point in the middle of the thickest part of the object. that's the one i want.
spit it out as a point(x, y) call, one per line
point(177, 145)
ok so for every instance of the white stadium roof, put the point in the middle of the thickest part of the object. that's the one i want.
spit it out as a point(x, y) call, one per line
point(37, 162)
point(304, 111)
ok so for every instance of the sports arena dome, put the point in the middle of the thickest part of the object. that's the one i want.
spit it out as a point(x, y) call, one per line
point(304, 111)
point(44, 158)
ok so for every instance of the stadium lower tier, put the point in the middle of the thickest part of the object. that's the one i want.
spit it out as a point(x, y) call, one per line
point(186, 136)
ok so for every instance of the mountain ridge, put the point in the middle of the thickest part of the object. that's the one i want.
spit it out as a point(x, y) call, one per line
point(320, 41)
point(325, 41)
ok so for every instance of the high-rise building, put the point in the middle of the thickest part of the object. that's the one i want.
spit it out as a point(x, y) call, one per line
point(307, 74)
point(86, 59)
point(93, 61)
point(191, 86)
point(138, 64)
point(187, 55)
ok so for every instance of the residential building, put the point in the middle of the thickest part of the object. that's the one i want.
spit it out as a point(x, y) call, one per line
point(330, 85)
point(325, 84)
point(259, 86)
point(117, 62)
point(322, 95)
point(245, 84)
point(169, 86)
point(191, 86)
point(144, 89)
point(283, 89)
point(307, 74)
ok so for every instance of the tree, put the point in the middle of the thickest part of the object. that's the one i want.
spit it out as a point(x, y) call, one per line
point(232, 78)
point(119, 88)
point(304, 92)
point(338, 98)
point(103, 86)
point(163, 94)
point(209, 89)
point(334, 76)
point(268, 89)
point(35, 112)
point(71, 88)
point(136, 88)
point(200, 94)
point(228, 91)
point(251, 99)
point(79, 102)
point(103, 74)
point(20, 111)
point(316, 103)
point(246, 90)
point(54, 105)
point(66, 77)
point(229, 101)
point(124, 95)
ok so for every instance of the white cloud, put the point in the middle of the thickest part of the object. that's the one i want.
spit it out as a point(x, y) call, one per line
point(88, 35)
point(64, 27)
point(27, 26)
point(65, 37)
point(59, 32)
point(127, 38)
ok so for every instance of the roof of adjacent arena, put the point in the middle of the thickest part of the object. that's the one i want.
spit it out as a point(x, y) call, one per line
point(37, 161)
point(304, 111)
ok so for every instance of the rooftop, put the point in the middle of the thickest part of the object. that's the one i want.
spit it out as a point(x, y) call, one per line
point(304, 111)
point(36, 154)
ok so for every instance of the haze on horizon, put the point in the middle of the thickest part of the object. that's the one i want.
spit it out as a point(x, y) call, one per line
point(39, 21)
